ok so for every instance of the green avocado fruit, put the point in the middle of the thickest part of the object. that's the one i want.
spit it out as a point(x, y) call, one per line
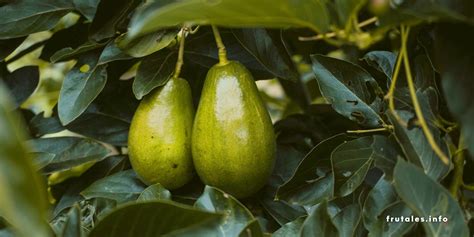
point(233, 141)
point(159, 140)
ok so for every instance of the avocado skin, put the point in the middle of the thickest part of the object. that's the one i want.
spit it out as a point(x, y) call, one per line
point(159, 140)
point(233, 141)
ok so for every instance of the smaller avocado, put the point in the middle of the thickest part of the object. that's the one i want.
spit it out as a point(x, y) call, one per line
point(159, 140)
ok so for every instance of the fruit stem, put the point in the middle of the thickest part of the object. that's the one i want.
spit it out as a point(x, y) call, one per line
point(179, 62)
point(458, 161)
point(220, 45)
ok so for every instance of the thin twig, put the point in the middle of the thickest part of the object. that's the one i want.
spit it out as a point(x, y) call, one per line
point(384, 129)
point(458, 161)
point(334, 34)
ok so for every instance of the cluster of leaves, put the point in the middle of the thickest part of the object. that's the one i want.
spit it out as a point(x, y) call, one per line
point(326, 181)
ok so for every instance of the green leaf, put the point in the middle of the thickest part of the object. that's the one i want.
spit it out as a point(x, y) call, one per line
point(155, 192)
point(111, 53)
point(345, 86)
point(70, 53)
point(291, 228)
point(392, 228)
point(386, 152)
point(351, 161)
point(66, 39)
point(24, 17)
point(40, 125)
point(383, 61)
point(281, 13)
point(69, 151)
point(80, 87)
point(347, 220)
point(23, 198)
point(71, 227)
point(416, 147)
point(318, 157)
point(110, 17)
point(319, 222)
point(22, 83)
point(379, 198)
point(122, 187)
point(86, 7)
point(152, 218)
point(236, 215)
point(252, 229)
point(269, 52)
point(154, 71)
point(455, 66)
point(426, 198)
point(147, 44)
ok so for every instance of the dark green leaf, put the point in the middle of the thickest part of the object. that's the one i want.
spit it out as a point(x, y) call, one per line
point(71, 227)
point(80, 87)
point(386, 153)
point(110, 16)
point(347, 10)
point(345, 86)
point(23, 197)
point(351, 161)
point(392, 227)
point(319, 222)
point(86, 7)
point(347, 220)
point(416, 147)
point(69, 53)
point(291, 228)
point(252, 229)
point(383, 61)
point(22, 83)
point(155, 192)
point(111, 53)
point(318, 157)
point(428, 198)
point(379, 198)
point(268, 52)
point(154, 71)
point(24, 17)
point(69, 151)
point(147, 44)
point(149, 219)
point(122, 187)
point(39, 125)
point(236, 215)
point(66, 39)
point(157, 15)
point(281, 211)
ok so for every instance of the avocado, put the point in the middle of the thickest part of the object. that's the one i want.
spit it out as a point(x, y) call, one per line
point(233, 141)
point(159, 140)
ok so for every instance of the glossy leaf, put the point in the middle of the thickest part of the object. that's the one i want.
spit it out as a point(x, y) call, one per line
point(379, 198)
point(147, 44)
point(307, 170)
point(319, 222)
point(24, 17)
point(154, 71)
point(22, 83)
point(121, 187)
point(110, 16)
point(111, 53)
point(252, 229)
point(71, 225)
point(152, 218)
point(155, 192)
point(344, 85)
point(23, 197)
point(291, 228)
point(68, 151)
point(269, 52)
point(427, 198)
point(80, 87)
point(386, 152)
point(236, 215)
point(40, 125)
point(157, 15)
point(347, 220)
point(383, 61)
point(416, 147)
point(351, 161)
point(86, 7)
point(393, 228)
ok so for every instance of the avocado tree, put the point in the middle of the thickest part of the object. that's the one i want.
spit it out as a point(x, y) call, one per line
point(236, 118)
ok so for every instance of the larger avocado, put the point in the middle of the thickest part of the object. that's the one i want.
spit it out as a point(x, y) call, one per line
point(233, 141)
point(159, 140)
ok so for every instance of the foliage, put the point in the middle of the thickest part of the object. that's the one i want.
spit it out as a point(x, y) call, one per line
point(364, 112)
